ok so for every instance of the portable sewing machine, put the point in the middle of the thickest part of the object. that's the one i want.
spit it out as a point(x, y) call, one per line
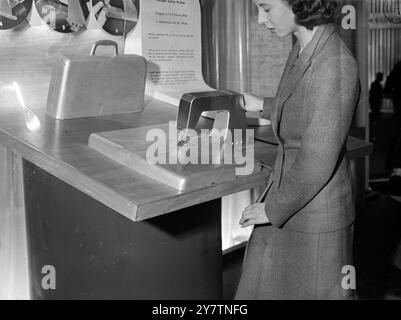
point(224, 107)
point(215, 163)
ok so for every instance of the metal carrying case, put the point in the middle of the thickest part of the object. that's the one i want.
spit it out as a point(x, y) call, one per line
point(89, 86)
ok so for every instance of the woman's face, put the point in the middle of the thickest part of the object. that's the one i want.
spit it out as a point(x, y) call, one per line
point(277, 15)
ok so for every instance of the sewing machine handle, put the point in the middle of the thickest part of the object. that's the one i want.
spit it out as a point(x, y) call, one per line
point(104, 43)
point(193, 104)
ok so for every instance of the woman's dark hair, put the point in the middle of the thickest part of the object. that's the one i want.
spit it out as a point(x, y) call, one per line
point(311, 13)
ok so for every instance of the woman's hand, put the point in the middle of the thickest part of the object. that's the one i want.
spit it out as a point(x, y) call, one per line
point(252, 103)
point(254, 214)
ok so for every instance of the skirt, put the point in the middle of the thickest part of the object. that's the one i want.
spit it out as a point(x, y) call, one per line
point(283, 264)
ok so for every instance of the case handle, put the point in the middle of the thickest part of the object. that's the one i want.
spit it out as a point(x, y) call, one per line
point(105, 43)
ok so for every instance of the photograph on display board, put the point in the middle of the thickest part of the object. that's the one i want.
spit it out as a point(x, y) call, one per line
point(13, 12)
point(116, 17)
point(64, 16)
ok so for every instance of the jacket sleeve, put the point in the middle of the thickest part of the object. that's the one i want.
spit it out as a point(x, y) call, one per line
point(268, 104)
point(331, 100)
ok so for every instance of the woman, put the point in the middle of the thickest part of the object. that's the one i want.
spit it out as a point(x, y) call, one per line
point(303, 231)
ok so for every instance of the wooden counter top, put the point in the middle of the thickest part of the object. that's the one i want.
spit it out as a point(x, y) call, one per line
point(357, 148)
point(60, 147)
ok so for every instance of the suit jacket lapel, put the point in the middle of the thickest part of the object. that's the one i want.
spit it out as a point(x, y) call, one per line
point(281, 87)
point(296, 67)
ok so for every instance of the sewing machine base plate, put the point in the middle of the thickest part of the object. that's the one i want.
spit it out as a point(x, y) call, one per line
point(162, 160)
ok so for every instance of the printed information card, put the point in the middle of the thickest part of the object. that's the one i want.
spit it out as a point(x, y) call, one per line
point(169, 37)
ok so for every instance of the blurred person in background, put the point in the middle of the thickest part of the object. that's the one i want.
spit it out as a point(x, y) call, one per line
point(393, 161)
point(375, 101)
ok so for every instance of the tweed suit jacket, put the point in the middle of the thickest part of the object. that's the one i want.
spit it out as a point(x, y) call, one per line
point(311, 117)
